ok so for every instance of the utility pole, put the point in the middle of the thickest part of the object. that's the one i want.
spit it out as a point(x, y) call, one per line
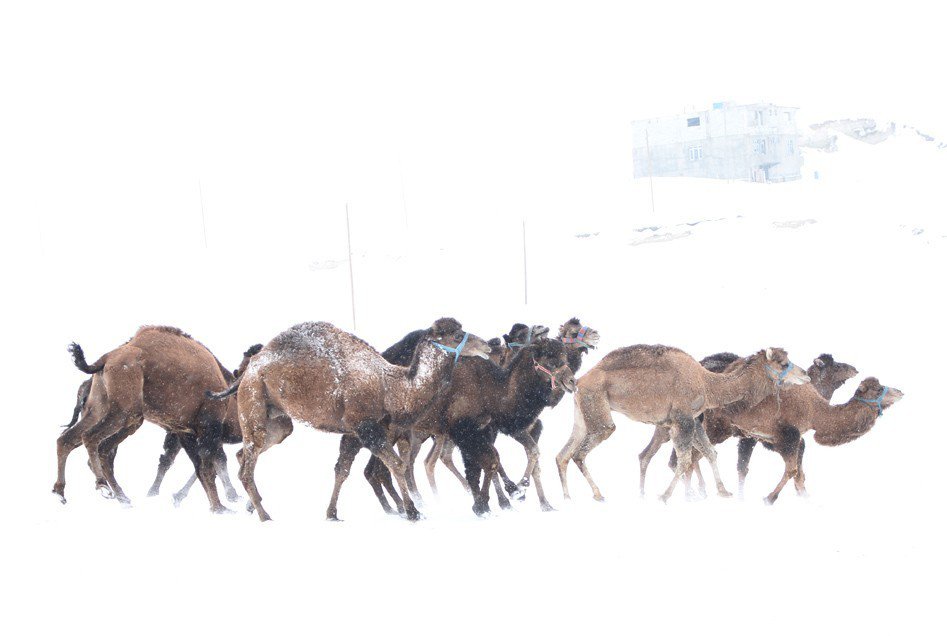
point(348, 231)
point(525, 287)
point(200, 191)
point(647, 143)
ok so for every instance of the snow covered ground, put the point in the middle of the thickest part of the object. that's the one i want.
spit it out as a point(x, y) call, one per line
point(119, 141)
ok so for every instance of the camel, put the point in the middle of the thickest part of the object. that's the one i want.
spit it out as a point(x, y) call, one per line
point(825, 374)
point(142, 380)
point(484, 400)
point(335, 382)
point(666, 387)
point(782, 423)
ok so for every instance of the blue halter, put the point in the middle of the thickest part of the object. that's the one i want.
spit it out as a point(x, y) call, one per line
point(455, 350)
point(877, 401)
point(781, 375)
point(529, 340)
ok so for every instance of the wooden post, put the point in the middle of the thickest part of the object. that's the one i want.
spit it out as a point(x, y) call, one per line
point(647, 143)
point(525, 286)
point(348, 231)
point(200, 191)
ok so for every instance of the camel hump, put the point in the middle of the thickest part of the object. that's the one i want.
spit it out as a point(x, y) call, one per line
point(174, 331)
point(639, 356)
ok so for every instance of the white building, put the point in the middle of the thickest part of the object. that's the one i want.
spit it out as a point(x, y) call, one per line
point(752, 142)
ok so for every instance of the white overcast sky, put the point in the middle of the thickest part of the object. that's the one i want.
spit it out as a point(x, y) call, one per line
point(113, 112)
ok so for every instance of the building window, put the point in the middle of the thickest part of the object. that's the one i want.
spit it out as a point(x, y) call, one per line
point(792, 146)
point(759, 146)
point(695, 153)
point(693, 121)
point(788, 116)
point(756, 117)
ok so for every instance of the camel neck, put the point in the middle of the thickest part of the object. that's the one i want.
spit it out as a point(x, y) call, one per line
point(834, 425)
point(742, 384)
point(418, 385)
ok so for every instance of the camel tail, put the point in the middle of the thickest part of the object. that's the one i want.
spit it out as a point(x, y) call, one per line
point(78, 357)
point(81, 398)
point(230, 390)
point(252, 351)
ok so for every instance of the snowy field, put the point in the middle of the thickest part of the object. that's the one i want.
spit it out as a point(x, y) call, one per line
point(849, 264)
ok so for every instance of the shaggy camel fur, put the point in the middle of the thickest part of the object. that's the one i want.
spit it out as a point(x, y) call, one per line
point(825, 374)
point(666, 387)
point(782, 423)
point(335, 382)
point(142, 380)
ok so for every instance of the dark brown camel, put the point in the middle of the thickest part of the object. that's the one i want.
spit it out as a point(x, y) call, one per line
point(782, 423)
point(485, 400)
point(666, 387)
point(335, 382)
point(142, 380)
point(825, 374)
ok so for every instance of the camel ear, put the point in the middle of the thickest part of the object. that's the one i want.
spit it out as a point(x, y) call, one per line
point(506, 338)
point(819, 362)
point(769, 354)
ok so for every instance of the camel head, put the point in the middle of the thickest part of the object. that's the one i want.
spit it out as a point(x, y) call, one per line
point(577, 335)
point(874, 394)
point(781, 369)
point(249, 353)
point(828, 375)
point(448, 335)
point(550, 360)
point(521, 335)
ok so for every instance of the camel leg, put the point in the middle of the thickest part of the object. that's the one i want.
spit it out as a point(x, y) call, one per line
point(374, 478)
point(682, 436)
point(800, 480)
point(375, 438)
point(172, 446)
point(744, 452)
point(787, 445)
point(110, 425)
point(259, 433)
point(594, 409)
point(220, 463)
point(202, 458)
point(706, 448)
point(479, 456)
point(384, 478)
point(430, 462)
point(502, 500)
point(575, 441)
point(526, 438)
point(348, 449)
point(180, 495)
point(515, 490)
point(447, 458)
point(658, 439)
point(108, 450)
point(68, 441)
point(405, 452)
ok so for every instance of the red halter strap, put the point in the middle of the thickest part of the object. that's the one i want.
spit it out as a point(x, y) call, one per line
point(552, 377)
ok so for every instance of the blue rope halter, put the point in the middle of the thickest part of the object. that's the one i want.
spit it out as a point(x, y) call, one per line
point(579, 338)
point(779, 376)
point(877, 401)
point(529, 340)
point(455, 350)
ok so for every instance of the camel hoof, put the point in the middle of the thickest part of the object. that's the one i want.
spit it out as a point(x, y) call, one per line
point(546, 507)
point(413, 515)
point(59, 493)
point(333, 518)
point(769, 501)
point(105, 491)
point(505, 504)
point(481, 510)
point(222, 510)
point(250, 507)
point(802, 493)
point(177, 500)
point(723, 492)
point(598, 498)
point(663, 499)
point(233, 497)
point(124, 501)
point(519, 494)
point(153, 492)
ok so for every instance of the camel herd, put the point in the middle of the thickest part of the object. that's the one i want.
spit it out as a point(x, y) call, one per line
point(449, 385)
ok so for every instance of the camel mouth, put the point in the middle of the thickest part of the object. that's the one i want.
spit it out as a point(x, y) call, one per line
point(481, 354)
point(894, 395)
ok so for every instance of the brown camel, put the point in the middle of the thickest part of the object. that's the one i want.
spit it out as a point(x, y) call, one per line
point(142, 380)
point(825, 374)
point(666, 387)
point(782, 423)
point(335, 382)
